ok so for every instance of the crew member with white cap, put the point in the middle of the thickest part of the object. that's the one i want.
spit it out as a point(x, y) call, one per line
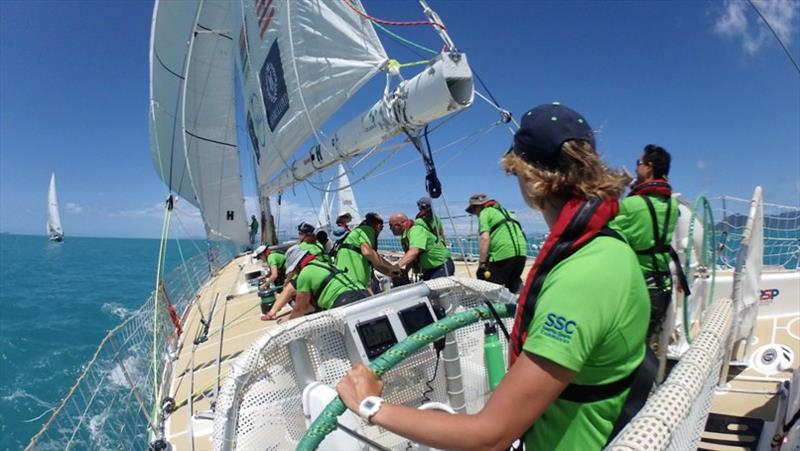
point(317, 286)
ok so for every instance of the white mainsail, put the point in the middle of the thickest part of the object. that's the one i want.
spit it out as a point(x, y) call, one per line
point(193, 115)
point(299, 62)
point(54, 230)
point(346, 200)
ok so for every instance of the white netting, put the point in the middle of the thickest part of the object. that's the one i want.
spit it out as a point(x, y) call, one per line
point(113, 400)
point(675, 415)
point(260, 405)
point(781, 232)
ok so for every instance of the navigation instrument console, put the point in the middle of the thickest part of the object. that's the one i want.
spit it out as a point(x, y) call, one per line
point(375, 325)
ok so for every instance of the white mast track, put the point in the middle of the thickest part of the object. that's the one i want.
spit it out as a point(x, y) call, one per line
point(441, 89)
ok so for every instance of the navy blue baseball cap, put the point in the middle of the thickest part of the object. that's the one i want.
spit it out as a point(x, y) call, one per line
point(544, 129)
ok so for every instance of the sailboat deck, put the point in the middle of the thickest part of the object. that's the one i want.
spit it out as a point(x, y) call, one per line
point(200, 368)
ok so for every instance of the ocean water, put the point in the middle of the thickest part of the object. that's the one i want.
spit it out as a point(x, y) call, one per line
point(57, 301)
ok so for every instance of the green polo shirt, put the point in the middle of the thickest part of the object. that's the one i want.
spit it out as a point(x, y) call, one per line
point(433, 252)
point(434, 226)
point(314, 274)
point(507, 240)
point(591, 317)
point(276, 259)
point(350, 260)
point(634, 223)
point(315, 249)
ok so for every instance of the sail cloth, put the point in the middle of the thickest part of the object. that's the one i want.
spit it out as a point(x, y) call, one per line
point(53, 218)
point(346, 199)
point(299, 62)
point(193, 120)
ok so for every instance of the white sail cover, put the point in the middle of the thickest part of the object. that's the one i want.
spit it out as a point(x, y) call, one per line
point(193, 115)
point(299, 61)
point(53, 218)
point(346, 199)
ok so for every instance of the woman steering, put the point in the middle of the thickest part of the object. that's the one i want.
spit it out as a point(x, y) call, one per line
point(581, 319)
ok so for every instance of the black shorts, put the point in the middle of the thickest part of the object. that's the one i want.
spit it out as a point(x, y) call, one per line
point(508, 272)
point(348, 297)
point(659, 303)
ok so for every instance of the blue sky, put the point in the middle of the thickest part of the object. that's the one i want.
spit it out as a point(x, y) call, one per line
point(706, 80)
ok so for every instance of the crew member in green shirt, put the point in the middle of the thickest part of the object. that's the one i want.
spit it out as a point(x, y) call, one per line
point(502, 246)
point(428, 218)
point(423, 248)
point(581, 319)
point(357, 254)
point(307, 236)
point(317, 286)
point(647, 218)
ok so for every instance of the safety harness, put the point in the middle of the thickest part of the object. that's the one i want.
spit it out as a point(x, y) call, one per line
point(660, 245)
point(332, 273)
point(507, 221)
point(580, 222)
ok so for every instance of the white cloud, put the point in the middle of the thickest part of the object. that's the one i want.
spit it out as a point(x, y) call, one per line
point(73, 208)
point(701, 164)
point(739, 22)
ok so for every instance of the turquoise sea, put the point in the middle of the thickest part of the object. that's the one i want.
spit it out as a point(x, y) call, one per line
point(57, 300)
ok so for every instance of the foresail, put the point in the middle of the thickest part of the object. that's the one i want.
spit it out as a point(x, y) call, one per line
point(300, 61)
point(193, 118)
point(209, 124)
point(346, 198)
point(170, 35)
point(53, 217)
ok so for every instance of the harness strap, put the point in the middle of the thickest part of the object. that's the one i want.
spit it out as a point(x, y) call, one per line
point(505, 221)
point(332, 273)
point(660, 246)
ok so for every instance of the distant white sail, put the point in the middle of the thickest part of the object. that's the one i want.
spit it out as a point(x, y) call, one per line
point(54, 230)
point(345, 197)
point(193, 120)
point(300, 61)
point(324, 215)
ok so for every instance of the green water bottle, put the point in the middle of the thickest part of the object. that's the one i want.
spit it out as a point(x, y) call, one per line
point(493, 356)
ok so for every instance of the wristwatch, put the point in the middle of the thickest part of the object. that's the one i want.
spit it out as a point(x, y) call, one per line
point(369, 407)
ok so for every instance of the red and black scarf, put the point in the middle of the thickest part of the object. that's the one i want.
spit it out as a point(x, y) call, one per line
point(655, 187)
point(579, 221)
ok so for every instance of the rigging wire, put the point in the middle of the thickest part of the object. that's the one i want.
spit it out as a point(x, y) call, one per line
point(774, 33)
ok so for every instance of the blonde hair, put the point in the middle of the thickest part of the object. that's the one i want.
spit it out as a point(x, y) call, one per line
point(579, 171)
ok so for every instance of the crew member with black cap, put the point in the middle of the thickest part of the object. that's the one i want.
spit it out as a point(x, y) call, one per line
point(317, 286)
point(357, 254)
point(308, 241)
point(647, 218)
point(578, 336)
point(502, 246)
point(428, 219)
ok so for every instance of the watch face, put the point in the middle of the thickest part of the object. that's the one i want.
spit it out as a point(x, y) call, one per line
point(369, 404)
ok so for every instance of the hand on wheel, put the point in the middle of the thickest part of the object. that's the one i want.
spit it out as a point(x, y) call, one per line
point(357, 384)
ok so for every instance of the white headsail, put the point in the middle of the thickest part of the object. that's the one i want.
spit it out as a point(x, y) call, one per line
point(54, 230)
point(193, 116)
point(300, 61)
point(346, 200)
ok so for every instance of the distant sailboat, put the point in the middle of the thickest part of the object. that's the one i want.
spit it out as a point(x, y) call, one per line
point(345, 202)
point(54, 230)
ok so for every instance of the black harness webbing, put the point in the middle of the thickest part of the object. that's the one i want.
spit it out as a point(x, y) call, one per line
point(660, 246)
point(332, 273)
point(507, 221)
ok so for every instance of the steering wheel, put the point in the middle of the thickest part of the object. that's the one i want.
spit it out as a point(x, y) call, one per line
point(327, 421)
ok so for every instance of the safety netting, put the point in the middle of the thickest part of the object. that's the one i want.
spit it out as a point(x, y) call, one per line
point(115, 401)
point(260, 403)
